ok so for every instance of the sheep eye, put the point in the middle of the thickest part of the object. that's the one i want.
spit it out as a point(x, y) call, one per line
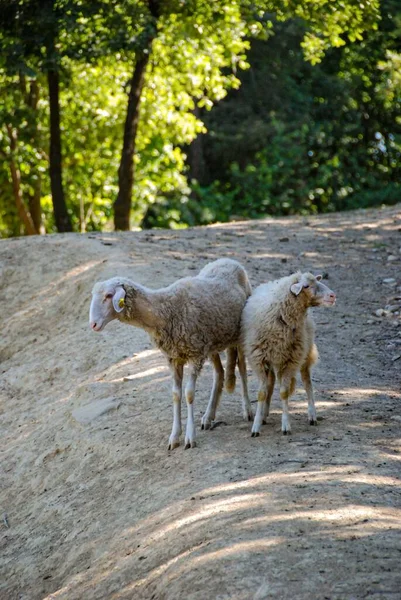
point(107, 296)
point(306, 287)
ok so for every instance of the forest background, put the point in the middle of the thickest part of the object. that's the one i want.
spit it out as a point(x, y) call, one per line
point(169, 113)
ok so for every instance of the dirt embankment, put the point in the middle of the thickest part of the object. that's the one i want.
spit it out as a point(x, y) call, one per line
point(94, 507)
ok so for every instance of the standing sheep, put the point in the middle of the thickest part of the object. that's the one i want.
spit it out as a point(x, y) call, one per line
point(189, 321)
point(278, 339)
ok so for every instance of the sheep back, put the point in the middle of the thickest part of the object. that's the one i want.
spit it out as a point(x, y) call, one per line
point(202, 314)
point(230, 269)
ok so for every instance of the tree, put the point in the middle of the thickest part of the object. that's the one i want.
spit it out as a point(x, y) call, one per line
point(122, 205)
point(179, 28)
point(28, 35)
point(37, 38)
point(52, 66)
point(19, 137)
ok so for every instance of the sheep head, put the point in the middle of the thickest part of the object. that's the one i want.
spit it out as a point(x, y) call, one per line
point(108, 299)
point(314, 291)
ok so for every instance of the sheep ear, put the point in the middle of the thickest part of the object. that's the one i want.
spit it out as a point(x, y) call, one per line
point(296, 288)
point(319, 278)
point(119, 299)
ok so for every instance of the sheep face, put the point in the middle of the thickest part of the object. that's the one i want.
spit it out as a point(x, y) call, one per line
point(107, 301)
point(314, 291)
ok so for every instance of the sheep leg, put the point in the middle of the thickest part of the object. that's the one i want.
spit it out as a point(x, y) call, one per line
point(246, 403)
point(267, 379)
point(271, 380)
point(306, 380)
point(218, 383)
point(190, 433)
point(232, 355)
point(287, 387)
point(177, 372)
point(260, 410)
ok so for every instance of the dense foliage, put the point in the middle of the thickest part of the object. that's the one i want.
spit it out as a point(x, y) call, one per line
point(298, 138)
point(246, 109)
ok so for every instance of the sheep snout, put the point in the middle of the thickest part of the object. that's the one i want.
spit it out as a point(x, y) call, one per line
point(329, 299)
point(324, 295)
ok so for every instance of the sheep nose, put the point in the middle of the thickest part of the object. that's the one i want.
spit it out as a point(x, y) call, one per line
point(332, 296)
point(93, 325)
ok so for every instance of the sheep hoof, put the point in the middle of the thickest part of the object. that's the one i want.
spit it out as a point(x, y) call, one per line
point(206, 426)
point(255, 434)
point(312, 422)
point(285, 432)
point(173, 445)
point(190, 445)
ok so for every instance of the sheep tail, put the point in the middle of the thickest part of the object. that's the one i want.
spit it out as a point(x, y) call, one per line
point(232, 357)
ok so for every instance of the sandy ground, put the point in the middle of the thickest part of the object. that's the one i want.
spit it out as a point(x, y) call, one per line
point(93, 506)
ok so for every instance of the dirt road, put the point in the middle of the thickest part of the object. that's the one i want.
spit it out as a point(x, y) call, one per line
point(94, 507)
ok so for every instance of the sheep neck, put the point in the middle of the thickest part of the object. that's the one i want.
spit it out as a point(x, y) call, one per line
point(141, 308)
point(293, 309)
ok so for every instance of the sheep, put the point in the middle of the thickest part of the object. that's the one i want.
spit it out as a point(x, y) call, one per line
point(277, 334)
point(193, 319)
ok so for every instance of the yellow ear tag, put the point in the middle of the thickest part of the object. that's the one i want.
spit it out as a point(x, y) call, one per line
point(121, 303)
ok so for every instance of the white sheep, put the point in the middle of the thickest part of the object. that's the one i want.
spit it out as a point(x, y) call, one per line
point(189, 321)
point(277, 334)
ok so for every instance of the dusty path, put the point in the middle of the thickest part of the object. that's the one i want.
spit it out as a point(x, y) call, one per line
point(96, 508)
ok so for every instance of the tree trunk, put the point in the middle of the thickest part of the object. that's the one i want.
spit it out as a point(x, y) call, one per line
point(34, 205)
point(32, 99)
point(122, 205)
point(23, 214)
point(61, 216)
